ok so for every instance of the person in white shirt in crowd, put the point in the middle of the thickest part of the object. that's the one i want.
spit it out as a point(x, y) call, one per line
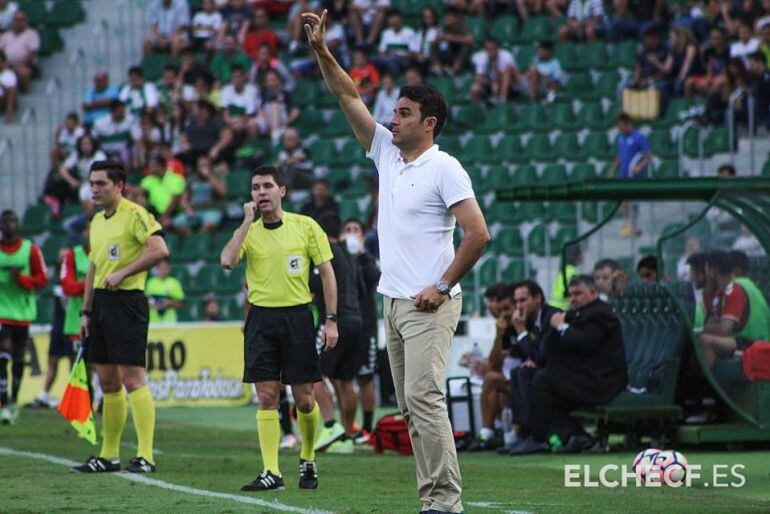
point(8, 88)
point(168, 21)
point(386, 100)
point(240, 101)
point(114, 132)
point(21, 45)
point(584, 21)
point(66, 139)
point(426, 35)
point(139, 95)
point(496, 73)
point(367, 18)
point(746, 45)
point(7, 10)
point(398, 45)
point(205, 26)
point(545, 76)
point(423, 193)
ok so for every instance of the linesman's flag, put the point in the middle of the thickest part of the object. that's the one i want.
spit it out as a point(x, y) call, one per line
point(75, 405)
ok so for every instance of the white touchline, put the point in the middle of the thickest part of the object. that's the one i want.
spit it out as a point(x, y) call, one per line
point(142, 479)
point(497, 506)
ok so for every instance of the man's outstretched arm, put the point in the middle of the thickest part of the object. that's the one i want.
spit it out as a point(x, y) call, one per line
point(338, 81)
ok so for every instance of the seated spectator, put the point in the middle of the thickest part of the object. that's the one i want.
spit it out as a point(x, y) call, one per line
point(239, 103)
point(99, 98)
point(206, 134)
point(654, 65)
point(738, 13)
point(114, 132)
point(490, 299)
point(204, 89)
point(201, 204)
point(726, 170)
point(759, 83)
point(321, 204)
point(736, 78)
point(146, 136)
point(685, 61)
point(164, 294)
point(206, 24)
point(397, 45)
point(714, 59)
point(585, 19)
point(574, 258)
point(633, 18)
point(164, 189)
point(138, 95)
point(365, 76)
point(224, 61)
point(8, 89)
point(367, 18)
point(453, 45)
point(585, 366)
point(545, 76)
point(74, 172)
point(20, 45)
point(496, 73)
point(7, 9)
point(265, 62)
point(647, 269)
point(387, 98)
point(235, 15)
point(337, 9)
point(527, 8)
point(413, 77)
point(610, 279)
point(259, 33)
point(335, 40)
point(277, 110)
point(294, 162)
point(746, 45)
point(168, 21)
point(426, 34)
point(211, 310)
point(170, 89)
point(66, 138)
point(190, 68)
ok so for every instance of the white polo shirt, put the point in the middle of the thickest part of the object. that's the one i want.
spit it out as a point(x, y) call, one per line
point(414, 223)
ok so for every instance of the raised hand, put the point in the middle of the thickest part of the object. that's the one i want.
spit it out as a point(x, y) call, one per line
point(315, 28)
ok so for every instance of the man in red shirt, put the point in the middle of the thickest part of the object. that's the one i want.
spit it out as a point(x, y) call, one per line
point(259, 34)
point(22, 271)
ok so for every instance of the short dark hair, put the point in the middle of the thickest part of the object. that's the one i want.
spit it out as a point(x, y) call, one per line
point(720, 261)
point(729, 167)
point(73, 116)
point(9, 212)
point(237, 67)
point(607, 263)
point(356, 221)
point(757, 56)
point(648, 262)
point(115, 104)
point(331, 224)
point(431, 102)
point(393, 12)
point(114, 169)
point(136, 70)
point(624, 118)
point(491, 39)
point(584, 280)
point(171, 67)
point(273, 172)
point(697, 261)
point(454, 11)
point(574, 254)
point(546, 45)
point(3, 57)
point(491, 291)
point(505, 291)
point(533, 288)
point(740, 261)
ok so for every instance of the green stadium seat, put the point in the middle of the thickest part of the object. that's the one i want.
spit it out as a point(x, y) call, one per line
point(593, 56)
point(662, 145)
point(766, 168)
point(668, 169)
point(66, 13)
point(691, 142)
point(497, 178)
point(540, 148)
point(524, 57)
point(181, 273)
point(509, 149)
point(561, 116)
point(350, 209)
point(230, 308)
point(534, 117)
point(230, 281)
point(468, 117)
point(488, 273)
point(51, 248)
point(505, 29)
point(478, 149)
point(596, 146)
point(607, 85)
point(476, 176)
point(554, 174)
point(563, 212)
point(449, 144)
point(514, 271)
point(567, 146)
point(50, 41)
point(205, 280)
point(588, 114)
point(337, 126)
point(565, 54)
point(579, 85)
point(305, 92)
point(37, 14)
point(323, 152)
point(676, 107)
point(716, 141)
point(152, 66)
point(624, 54)
point(477, 26)
point(258, 149)
point(238, 185)
point(537, 240)
point(525, 175)
point(535, 29)
point(583, 171)
point(498, 119)
point(192, 248)
point(508, 241)
point(446, 87)
point(309, 121)
point(36, 220)
point(529, 211)
point(564, 235)
point(501, 212)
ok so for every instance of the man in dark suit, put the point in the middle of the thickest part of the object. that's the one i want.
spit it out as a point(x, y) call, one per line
point(585, 367)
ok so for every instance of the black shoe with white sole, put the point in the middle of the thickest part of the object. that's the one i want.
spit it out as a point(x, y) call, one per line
point(140, 465)
point(265, 481)
point(98, 465)
point(308, 474)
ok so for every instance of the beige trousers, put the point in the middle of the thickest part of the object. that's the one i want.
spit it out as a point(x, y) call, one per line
point(418, 345)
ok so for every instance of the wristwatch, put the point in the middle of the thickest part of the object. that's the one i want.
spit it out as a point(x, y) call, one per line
point(85, 312)
point(442, 288)
point(331, 317)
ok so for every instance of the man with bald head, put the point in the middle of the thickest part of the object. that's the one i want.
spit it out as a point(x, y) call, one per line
point(294, 161)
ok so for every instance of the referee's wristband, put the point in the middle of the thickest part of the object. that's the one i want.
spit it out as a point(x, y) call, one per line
point(331, 317)
point(85, 312)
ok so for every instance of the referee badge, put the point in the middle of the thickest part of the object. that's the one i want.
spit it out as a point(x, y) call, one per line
point(113, 252)
point(294, 264)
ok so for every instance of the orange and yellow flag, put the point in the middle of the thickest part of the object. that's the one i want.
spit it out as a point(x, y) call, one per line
point(75, 405)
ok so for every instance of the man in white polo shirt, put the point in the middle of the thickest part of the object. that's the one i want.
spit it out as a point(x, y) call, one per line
point(423, 192)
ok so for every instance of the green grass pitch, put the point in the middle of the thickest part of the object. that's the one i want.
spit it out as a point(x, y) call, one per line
point(215, 451)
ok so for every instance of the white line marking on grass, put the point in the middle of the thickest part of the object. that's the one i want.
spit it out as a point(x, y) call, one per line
point(142, 479)
point(496, 505)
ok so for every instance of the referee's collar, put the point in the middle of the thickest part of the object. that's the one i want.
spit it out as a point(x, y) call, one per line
point(272, 226)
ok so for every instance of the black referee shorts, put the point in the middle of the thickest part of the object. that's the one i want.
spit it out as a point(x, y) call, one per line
point(118, 328)
point(14, 338)
point(344, 360)
point(279, 345)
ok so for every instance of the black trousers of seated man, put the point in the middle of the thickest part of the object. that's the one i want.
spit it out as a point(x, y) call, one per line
point(522, 379)
point(551, 403)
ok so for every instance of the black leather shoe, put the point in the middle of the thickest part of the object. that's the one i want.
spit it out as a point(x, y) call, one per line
point(577, 443)
point(528, 446)
point(485, 444)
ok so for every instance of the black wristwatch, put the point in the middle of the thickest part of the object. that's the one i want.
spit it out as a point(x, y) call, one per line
point(331, 317)
point(85, 312)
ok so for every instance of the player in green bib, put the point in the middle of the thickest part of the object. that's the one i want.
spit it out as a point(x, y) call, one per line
point(165, 294)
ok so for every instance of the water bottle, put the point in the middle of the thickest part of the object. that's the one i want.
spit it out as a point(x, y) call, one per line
point(476, 358)
point(509, 433)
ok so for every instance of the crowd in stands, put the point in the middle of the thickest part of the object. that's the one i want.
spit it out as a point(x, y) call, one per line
point(19, 46)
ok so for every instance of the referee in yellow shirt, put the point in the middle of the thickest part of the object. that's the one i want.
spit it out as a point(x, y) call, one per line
point(125, 242)
point(279, 338)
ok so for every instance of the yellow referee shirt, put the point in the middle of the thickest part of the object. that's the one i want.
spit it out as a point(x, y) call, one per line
point(118, 240)
point(278, 260)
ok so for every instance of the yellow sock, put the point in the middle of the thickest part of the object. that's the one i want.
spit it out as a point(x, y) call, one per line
point(308, 426)
point(143, 412)
point(269, 432)
point(114, 415)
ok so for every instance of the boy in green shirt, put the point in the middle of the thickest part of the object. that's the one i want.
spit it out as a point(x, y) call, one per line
point(165, 294)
